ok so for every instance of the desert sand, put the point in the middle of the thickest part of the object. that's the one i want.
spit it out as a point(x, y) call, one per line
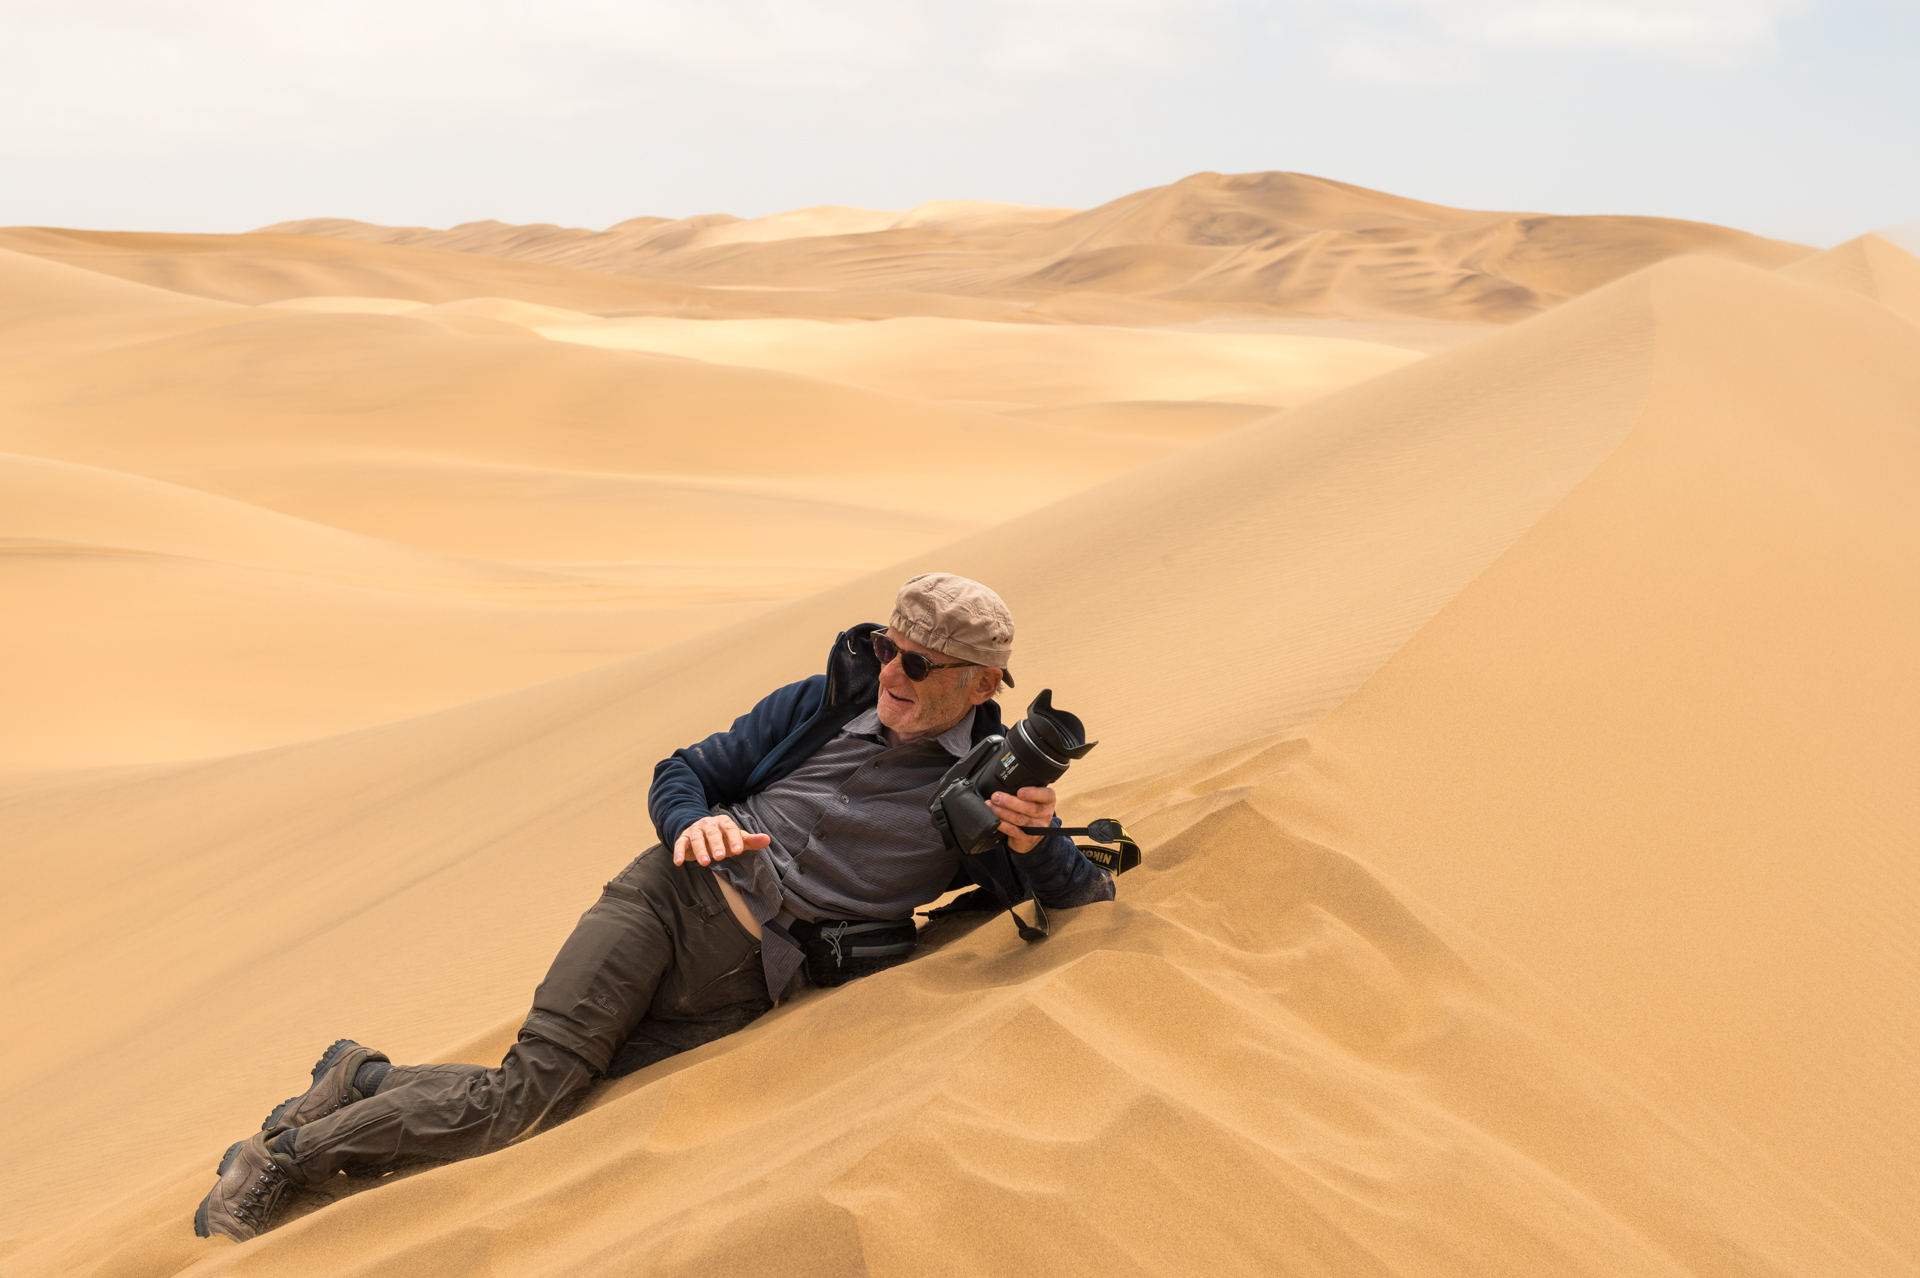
point(1497, 644)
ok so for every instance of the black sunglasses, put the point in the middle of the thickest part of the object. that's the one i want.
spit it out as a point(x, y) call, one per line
point(912, 664)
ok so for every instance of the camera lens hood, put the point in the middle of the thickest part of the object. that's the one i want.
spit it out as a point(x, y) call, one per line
point(1057, 734)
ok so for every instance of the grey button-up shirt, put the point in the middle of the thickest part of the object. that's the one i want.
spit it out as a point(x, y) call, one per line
point(851, 838)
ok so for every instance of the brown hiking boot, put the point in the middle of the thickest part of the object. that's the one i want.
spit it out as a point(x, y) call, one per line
point(332, 1086)
point(250, 1189)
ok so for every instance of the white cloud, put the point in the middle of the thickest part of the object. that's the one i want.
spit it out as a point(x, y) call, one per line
point(1695, 24)
point(179, 68)
point(238, 112)
point(303, 70)
point(1453, 41)
point(1400, 57)
point(810, 41)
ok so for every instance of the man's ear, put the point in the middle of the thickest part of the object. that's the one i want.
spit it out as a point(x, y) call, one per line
point(985, 684)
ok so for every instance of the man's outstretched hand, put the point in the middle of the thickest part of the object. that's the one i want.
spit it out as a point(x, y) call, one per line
point(1032, 806)
point(715, 838)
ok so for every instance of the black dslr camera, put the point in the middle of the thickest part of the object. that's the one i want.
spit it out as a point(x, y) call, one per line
point(1035, 752)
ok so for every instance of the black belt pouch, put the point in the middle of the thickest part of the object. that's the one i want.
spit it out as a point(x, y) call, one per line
point(837, 950)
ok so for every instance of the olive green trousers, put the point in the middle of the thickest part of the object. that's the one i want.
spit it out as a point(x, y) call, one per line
point(657, 965)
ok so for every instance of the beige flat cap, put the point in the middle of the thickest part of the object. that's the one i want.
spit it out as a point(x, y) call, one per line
point(958, 617)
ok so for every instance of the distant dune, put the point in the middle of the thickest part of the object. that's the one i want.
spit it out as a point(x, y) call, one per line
point(613, 248)
point(1281, 242)
point(1497, 628)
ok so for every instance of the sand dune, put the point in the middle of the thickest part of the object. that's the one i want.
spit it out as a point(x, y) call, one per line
point(258, 269)
point(1015, 365)
point(611, 526)
point(270, 268)
point(184, 608)
point(215, 406)
point(1180, 421)
point(135, 657)
point(168, 623)
point(1519, 736)
point(273, 387)
point(50, 503)
point(1717, 868)
point(1869, 266)
point(47, 307)
point(1280, 242)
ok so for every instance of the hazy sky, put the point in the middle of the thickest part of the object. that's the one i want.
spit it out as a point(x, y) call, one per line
point(1795, 118)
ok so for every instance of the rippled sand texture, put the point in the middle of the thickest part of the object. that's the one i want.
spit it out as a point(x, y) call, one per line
point(1508, 678)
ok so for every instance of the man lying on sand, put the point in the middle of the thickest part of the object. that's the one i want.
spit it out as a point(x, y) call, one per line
point(812, 808)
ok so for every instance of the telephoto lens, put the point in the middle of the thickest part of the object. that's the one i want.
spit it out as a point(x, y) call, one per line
point(1034, 753)
point(1037, 750)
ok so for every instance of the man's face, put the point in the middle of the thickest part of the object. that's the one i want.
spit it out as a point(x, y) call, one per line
point(927, 709)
